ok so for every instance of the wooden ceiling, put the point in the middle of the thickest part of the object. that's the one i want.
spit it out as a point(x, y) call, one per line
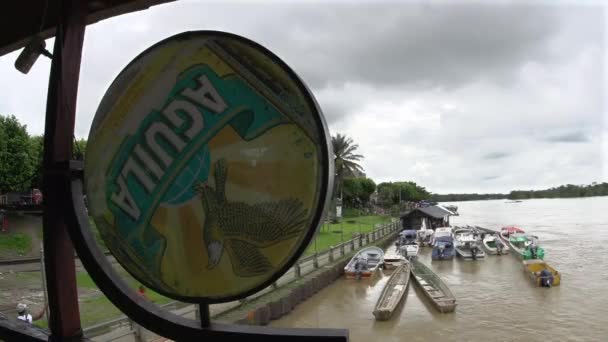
point(24, 18)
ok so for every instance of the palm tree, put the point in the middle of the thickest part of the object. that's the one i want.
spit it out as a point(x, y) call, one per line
point(345, 159)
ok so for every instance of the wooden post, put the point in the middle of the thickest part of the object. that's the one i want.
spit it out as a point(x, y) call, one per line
point(315, 261)
point(331, 253)
point(342, 249)
point(296, 270)
point(64, 320)
point(44, 289)
point(137, 332)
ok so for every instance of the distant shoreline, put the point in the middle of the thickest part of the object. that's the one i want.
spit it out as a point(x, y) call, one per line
point(512, 200)
point(563, 191)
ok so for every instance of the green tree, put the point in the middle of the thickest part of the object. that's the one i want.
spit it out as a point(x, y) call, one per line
point(36, 144)
point(79, 148)
point(345, 159)
point(357, 191)
point(16, 164)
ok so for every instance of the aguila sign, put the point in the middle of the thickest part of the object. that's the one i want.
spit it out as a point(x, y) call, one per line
point(207, 167)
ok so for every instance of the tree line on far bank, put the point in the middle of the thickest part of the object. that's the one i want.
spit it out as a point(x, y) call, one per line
point(563, 191)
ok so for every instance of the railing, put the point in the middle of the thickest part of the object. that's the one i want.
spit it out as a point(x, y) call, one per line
point(122, 327)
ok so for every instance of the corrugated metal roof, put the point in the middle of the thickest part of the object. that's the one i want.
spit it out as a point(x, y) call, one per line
point(435, 211)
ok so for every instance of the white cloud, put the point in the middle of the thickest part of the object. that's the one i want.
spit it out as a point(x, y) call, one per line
point(457, 97)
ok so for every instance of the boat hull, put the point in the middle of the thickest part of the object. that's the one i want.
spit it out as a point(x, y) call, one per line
point(493, 250)
point(466, 254)
point(448, 254)
point(363, 275)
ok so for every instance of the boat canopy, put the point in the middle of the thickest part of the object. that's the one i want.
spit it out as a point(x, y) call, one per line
point(439, 232)
point(518, 238)
point(444, 239)
point(463, 230)
point(408, 234)
point(512, 229)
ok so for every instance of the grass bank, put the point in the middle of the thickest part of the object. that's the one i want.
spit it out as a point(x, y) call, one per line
point(95, 307)
point(15, 243)
point(333, 234)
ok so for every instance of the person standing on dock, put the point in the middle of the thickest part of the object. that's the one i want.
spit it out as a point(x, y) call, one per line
point(499, 245)
point(533, 246)
point(24, 315)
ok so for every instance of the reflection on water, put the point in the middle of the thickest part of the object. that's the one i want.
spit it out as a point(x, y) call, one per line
point(496, 301)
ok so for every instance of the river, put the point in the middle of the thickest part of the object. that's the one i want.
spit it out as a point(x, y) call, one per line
point(496, 302)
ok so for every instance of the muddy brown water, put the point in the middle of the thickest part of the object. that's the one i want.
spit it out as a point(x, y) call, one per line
point(496, 301)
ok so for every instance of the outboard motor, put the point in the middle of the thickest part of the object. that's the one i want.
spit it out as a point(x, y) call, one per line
point(474, 252)
point(441, 251)
point(546, 278)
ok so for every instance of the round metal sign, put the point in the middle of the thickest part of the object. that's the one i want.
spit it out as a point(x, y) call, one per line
point(207, 167)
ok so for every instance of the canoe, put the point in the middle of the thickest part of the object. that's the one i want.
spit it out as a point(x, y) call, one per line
point(364, 264)
point(489, 245)
point(393, 259)
point(434, 288)
point(393, 293)
point(534, 269)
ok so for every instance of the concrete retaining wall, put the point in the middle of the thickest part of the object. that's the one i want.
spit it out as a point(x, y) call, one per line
point(283, 300)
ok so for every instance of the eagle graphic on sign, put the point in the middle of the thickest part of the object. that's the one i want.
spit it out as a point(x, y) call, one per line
point(242, 229)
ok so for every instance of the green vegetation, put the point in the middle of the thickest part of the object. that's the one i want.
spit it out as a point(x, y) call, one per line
point(563, 191)
point(397, 196)
point(84, 281)
point(357, 192)
point(466, 197)
point(333, 234)
point(345, 159)
point(98, 237)
point(17, 242)
point(21, 156)
point(16, 163)
point(95, 307)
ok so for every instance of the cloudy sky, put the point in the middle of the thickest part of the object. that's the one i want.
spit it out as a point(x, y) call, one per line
point(459, 97)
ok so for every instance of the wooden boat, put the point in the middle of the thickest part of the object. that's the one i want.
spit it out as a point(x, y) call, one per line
point(467, 244)
point(365, 264)
point(489, 243)
point(393, 258)
point(434, 288)
point(393, 292)
point(541, 273)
